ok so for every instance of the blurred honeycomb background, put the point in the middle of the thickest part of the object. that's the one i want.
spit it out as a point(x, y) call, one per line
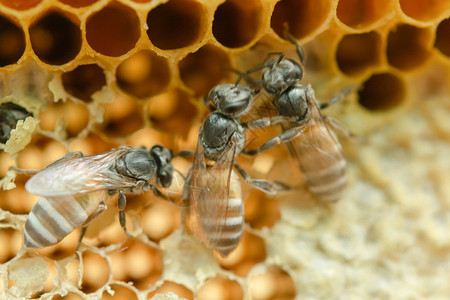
point(100, 74)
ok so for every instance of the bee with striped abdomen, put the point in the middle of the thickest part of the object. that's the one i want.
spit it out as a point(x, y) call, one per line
point(75, 187)
point(215, 207)
point(310, 140)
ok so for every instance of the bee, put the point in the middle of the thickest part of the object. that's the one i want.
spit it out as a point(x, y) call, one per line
point(10, 113)
point(75, 187)
point(213, 192)
point(308, 135)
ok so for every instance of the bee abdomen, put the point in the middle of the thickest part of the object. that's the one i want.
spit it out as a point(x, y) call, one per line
point(50, 221)
point(325, 170)
point(231, 228)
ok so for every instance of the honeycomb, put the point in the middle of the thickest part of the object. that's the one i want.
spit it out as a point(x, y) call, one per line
point(100, 74)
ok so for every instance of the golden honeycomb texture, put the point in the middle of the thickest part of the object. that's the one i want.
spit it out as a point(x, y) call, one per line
point(100, 74)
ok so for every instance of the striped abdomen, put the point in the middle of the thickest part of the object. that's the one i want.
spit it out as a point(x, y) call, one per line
point(320, 158)
point(53, 218)
point(223, 231)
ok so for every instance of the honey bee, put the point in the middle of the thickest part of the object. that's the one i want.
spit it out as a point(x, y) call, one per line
point(213, 192)
point(310, 140)
point(75, 187)
point(10, 113)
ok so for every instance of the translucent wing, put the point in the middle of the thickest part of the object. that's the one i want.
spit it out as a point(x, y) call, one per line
point(53, 218)
point(75, 174)
point(209, 192)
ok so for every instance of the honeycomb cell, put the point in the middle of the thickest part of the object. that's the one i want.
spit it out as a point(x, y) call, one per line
point(20, 4)
point(424, 10)
point(260, 210)
point(382, 92)
point(202, 70)
point(144, 74)
point(159, 220)
point(114, 30)
point(220, 288)
point(250, 251)
point(69, 296)
point(176, 24)
point(84, 81)
point(56, 37)
point(78, 3)
point(92, 144)
point(304, 17)
point(95, 272)
point(363, 13)
point(178, 289)
point(358, 52)
point(275, 283)
point(75, 116)
point(442, 42)
point(172, 112)
point(246, 22)
point(12, 39)
point(408, 46)
point(123, 116)
point(11, 241)
point(120, 292)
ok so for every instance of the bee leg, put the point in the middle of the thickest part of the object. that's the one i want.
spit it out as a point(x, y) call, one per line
point(22, 171)
point(286, 136)
point(291, 39)
point(266, 122)
point(336, 98)
point(122, 203)
point(268, 186)
point(101, 208)
point(158, 193)
point(337, 126)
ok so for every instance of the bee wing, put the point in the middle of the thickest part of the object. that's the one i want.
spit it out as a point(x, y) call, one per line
point(209, 188)
point(76, 174)
point(52, 218)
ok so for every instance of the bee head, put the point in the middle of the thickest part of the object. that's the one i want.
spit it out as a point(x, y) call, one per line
point(164, 166)
point(230, 99)
point(279, 75)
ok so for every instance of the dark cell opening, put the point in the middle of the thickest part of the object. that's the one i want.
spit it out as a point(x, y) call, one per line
point(176, 24)
point(442, 42)
point(55, 38)
point(12, 41)
point(361, 13)
point(84, 81)
point(114, 30)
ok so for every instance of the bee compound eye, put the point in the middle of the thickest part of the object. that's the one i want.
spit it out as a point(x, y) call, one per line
point(165, 179)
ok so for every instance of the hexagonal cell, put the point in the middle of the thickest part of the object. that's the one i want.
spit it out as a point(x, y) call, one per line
point(9, 200)
point(202, 70)
point(138, 263)
point(178, 289)
point(246, 22)
point(357, 53)
point(363, 13)
point(382, 92)
point(120, 292)
point(304, 17)
point(172, 112)
point(408, 46)
point(20, 5)
point(56, 37)
point(113, 30)
point(143, 74)
point(95, 271)
point(159, 219)
point(75, 116)
point(12, 39)
point(220, 288)
point(425, 10)
point(11, 241)
point(84, 81)
point(250, 251)
point(123, 116)
point(260, 210)
point(442, 42)
point(275, 283)
point(176, 24)
point(92, 144)
point(78, 3)
point(69, 296)
point(40, 152)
